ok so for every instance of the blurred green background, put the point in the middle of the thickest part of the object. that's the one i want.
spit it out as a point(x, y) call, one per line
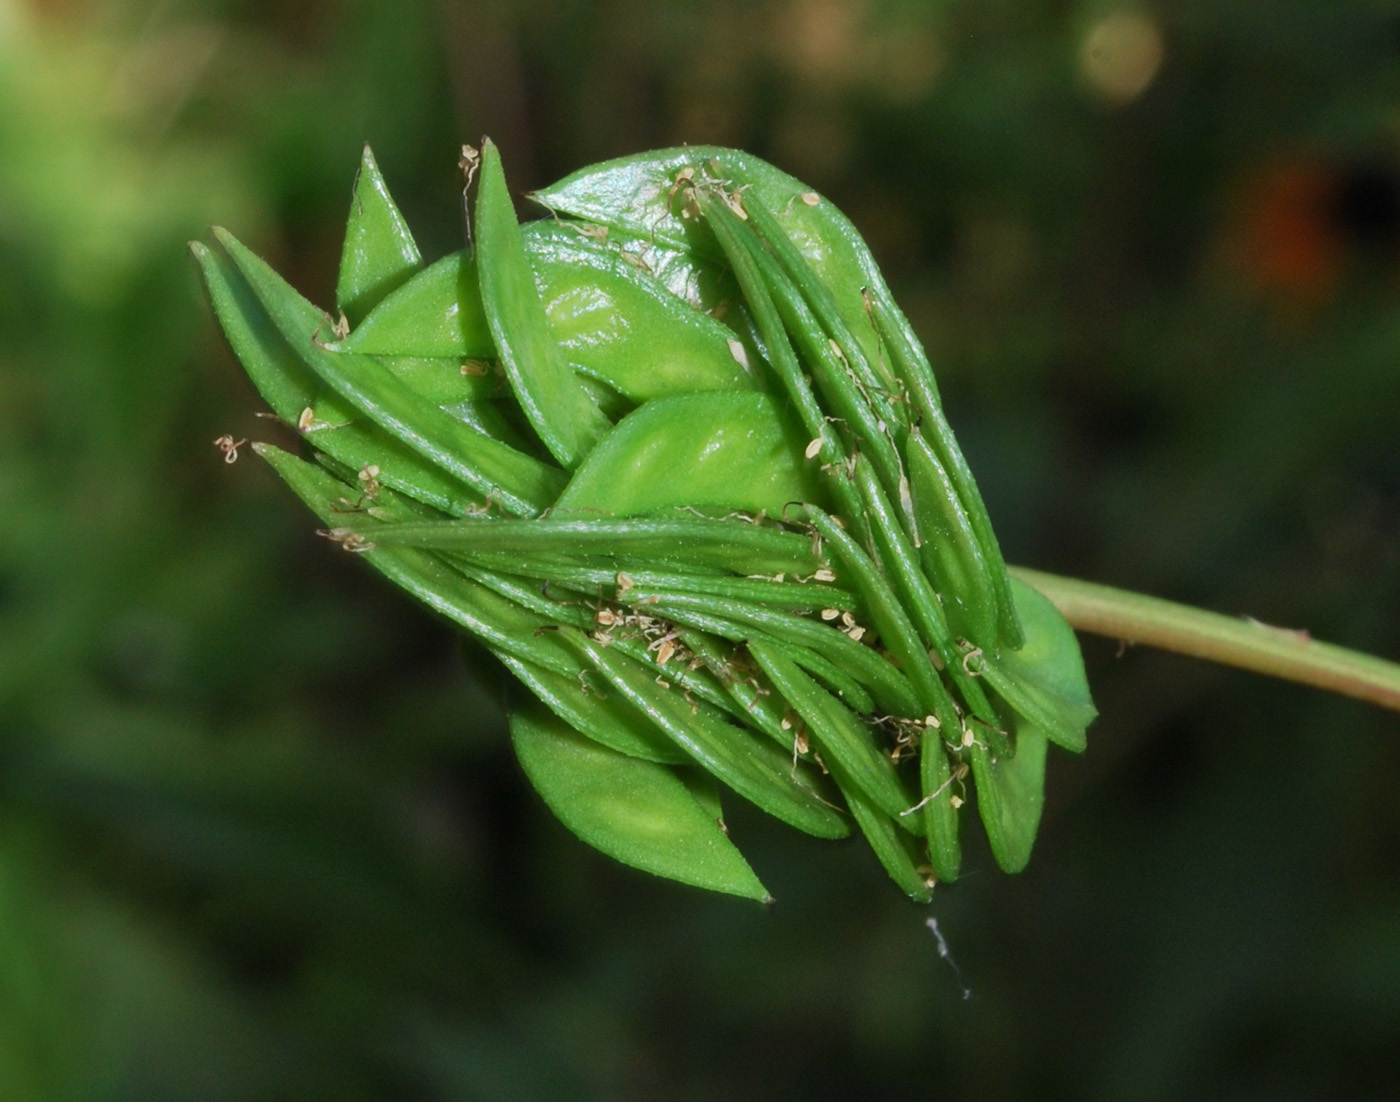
point(261, 833)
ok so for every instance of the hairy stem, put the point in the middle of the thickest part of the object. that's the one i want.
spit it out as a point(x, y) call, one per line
point(1293, 655)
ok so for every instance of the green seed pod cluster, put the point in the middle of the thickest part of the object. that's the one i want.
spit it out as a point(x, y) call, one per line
point(674, 456)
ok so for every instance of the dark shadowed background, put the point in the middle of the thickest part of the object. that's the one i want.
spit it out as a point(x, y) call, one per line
point(261, 832)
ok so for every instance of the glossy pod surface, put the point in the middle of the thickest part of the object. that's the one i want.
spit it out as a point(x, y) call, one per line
point(676, 457)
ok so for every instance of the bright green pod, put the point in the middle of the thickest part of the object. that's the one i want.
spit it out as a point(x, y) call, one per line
point(519, 483)
point(568, 421)
point(636, 811)
point(762, 709)
point(602, 717)
point(892, 622)
point(850, 329)
point(557, 613)
point(892, 846)
point(941, 823)
point(907, 356)
point(639, 196)
point(839, 735)
point(1010, 795)
point(715, 452)
point(796, 595)
point(501, 624)
point(891, 689)
point(737, 547)
point(698, 615)
point(758, 771)
point(829, 365)
point(620, 324)
point(437, 313)
point(291, 388)
point(825, 443)
point(916, 595)
point(1044, 681)
point(510, 618)
point(285, 383)
point(950, 550)
point(379, 253)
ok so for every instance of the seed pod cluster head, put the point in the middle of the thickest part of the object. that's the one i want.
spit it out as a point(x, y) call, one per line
point(676, 457)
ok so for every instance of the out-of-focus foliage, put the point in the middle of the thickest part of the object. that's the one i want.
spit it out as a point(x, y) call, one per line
point(260, 831)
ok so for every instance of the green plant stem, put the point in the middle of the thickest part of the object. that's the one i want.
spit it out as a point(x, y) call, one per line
point(1248, 644)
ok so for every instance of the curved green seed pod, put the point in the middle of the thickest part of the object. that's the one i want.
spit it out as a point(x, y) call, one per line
point(638, 195)
point(891, 845)
point(1044, 681)
point(291, 388)
point(635, 811)
point(756, 770)
point(732, 451)
point(568, 421)
point(890, 619)
point(618, 322)
point(1010, 794)
point(951, 552)
point(379, 253)
point(696, 614)
point(841, 737)
point(522, 484)
point(825, 443)
point(436, 313)
point(601, 717)
point(892, 692)
point(942, 797)
point(689, 540)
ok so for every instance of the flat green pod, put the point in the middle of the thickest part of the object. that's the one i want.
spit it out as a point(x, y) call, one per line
point(446, 380)
point(560, 410)
point(695, 542)
point(951, 553)
point(638, 195)
point(940, 812)
point(756, 770)
point(379, 253)
point(890, 689)
point(291, 388)
point(720, 451)
point(841, 736)
point(888, 615)
point(1010, 795)
point(636, 811)
point(892, 846)
point(498, 622)
point(622, 325)
point(825, 443)
point(607, 720)
point(436, 313)
point(1044, 681)
point(698, 615)
point(520, 483)
point(285, 383)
